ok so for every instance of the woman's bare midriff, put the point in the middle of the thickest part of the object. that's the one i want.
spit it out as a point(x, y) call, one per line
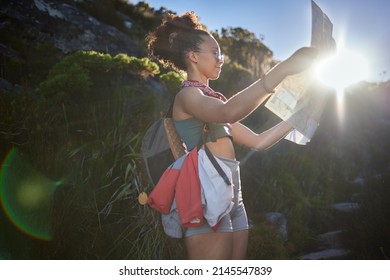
point(223, 147)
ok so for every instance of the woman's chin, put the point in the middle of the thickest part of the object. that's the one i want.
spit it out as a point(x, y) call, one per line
point(216, 76)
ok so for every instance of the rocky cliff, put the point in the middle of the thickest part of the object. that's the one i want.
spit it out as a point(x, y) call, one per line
point(35, 34)
point(63, 26)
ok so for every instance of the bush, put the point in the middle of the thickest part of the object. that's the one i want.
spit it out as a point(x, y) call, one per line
point(172, 80)
point(265, 242)
point(67, 81)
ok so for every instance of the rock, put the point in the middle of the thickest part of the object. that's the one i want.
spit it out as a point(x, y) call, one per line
point(155, 85)
point(328, 254)
point(63, 26)
point(330, 240)
point(6, 85)
point(346, 207)
point(359, 181)
point(280, 222)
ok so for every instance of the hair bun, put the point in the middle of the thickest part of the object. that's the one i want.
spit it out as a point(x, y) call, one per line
point(185, 22)
point(176, 35)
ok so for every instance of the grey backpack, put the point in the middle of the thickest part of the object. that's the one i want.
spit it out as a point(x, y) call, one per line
point(158, 150)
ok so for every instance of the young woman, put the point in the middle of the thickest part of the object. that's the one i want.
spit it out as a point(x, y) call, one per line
point(181, 43)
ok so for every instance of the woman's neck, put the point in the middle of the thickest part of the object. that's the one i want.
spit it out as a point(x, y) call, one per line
point(197, 77)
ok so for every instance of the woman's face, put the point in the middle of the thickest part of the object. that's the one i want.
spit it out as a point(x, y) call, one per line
point(210, 59)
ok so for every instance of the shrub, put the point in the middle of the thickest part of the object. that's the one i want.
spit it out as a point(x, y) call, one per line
point(172, 80)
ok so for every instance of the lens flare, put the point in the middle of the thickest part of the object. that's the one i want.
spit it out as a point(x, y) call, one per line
point(26, 196)
point(343, 69)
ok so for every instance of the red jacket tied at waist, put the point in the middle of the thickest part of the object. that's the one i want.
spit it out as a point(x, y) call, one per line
point(180, 182)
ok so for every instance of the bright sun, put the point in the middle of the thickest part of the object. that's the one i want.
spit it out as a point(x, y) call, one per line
point(342, 69)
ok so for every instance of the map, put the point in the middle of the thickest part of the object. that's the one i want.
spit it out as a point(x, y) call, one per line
point(295, 100)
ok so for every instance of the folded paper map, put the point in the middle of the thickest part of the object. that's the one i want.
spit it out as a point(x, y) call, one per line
point(295, 101)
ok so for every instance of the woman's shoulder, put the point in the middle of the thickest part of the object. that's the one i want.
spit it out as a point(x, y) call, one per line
point(189, 93)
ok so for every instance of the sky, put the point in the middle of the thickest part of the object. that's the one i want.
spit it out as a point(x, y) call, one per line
point(285, 25)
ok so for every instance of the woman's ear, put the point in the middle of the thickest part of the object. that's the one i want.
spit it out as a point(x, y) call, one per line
point(193, 57)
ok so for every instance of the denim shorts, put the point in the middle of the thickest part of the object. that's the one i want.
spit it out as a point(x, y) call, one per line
point(236, 220)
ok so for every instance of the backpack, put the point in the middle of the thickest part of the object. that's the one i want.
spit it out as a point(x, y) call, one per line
point(161, 146)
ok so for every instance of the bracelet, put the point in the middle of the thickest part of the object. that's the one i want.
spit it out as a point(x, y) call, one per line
point(262, 80)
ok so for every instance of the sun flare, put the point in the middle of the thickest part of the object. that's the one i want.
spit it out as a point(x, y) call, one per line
point(342, 69)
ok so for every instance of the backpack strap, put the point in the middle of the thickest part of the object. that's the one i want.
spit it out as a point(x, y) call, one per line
point(176, 144)
point(170, 110)
point(217, 166)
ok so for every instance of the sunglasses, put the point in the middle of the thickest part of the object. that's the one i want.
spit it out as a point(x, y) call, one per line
point(217, 55)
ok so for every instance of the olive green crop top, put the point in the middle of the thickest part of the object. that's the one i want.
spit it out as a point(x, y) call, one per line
point(190, 130)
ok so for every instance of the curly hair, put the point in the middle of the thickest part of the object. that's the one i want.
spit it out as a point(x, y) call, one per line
point(174, 38)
